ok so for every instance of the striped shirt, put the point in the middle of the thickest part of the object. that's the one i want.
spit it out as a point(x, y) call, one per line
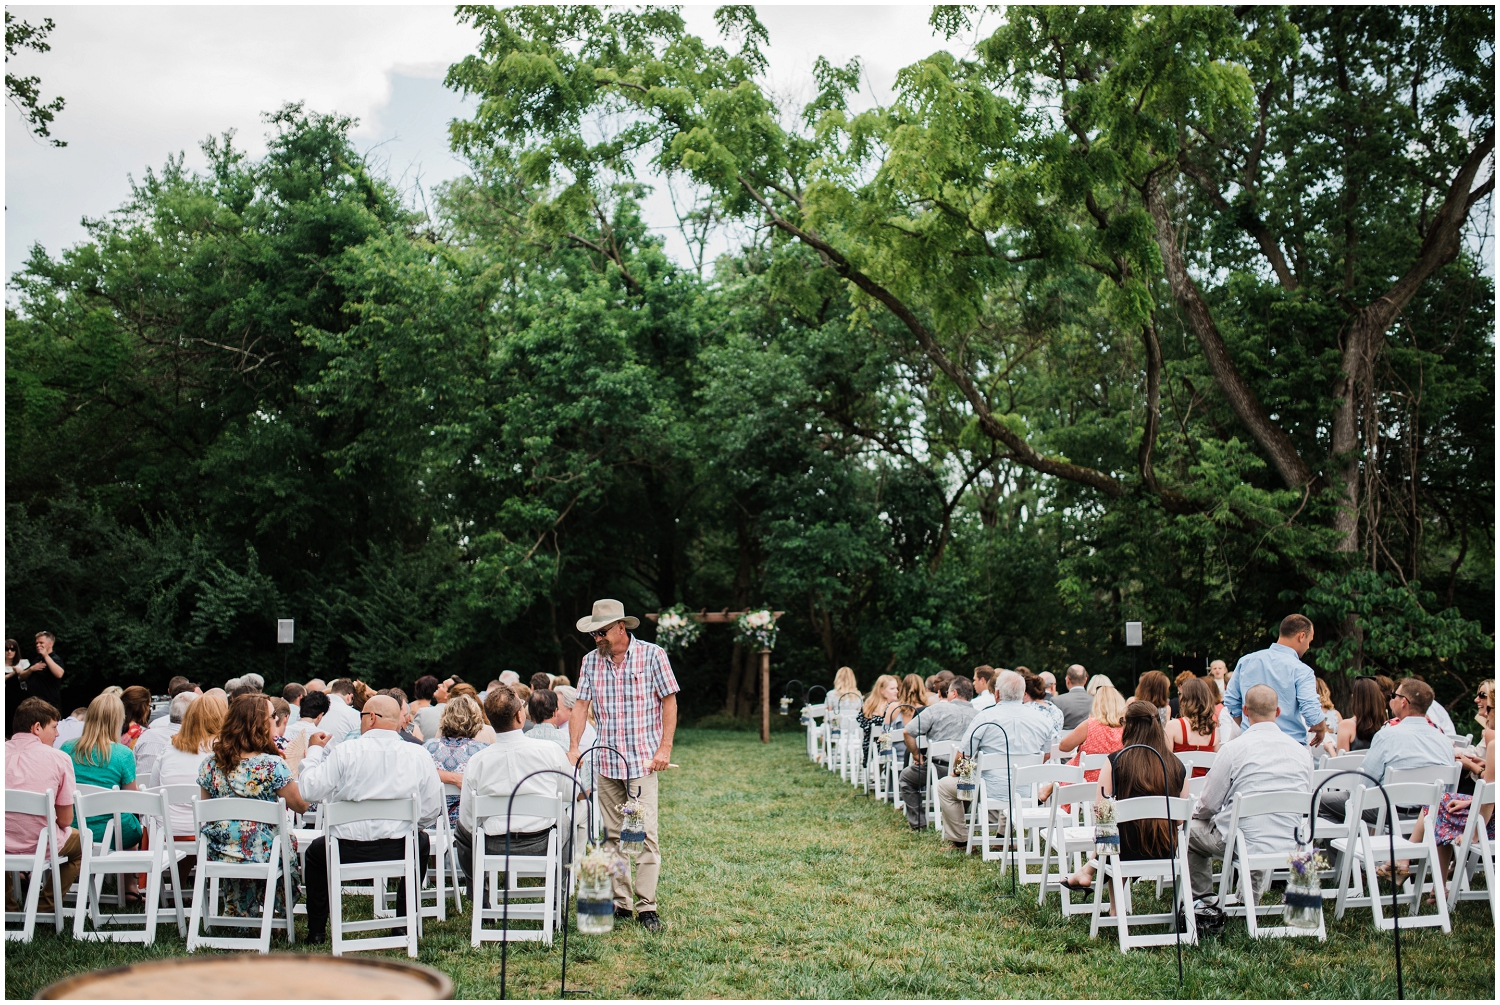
point(627, 699)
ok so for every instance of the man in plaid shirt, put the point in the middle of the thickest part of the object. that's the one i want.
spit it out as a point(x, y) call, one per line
point(629, 685)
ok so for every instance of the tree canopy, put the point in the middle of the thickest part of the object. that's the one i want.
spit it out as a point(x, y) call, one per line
point(1176, 315)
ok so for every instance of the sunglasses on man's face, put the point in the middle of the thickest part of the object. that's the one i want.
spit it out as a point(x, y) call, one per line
point(602, 632)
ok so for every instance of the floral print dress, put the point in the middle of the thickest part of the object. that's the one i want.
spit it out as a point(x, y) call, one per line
point(452, 753)
point(258, 776)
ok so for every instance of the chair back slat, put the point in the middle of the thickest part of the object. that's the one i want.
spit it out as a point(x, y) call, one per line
point(34, 804)
point(1055, 773)
point(1263, 803)
point(1094, 762)
point(349, 811)
point(261, 811)
point(525, 805)
point(1069, 793)
point(996, 761)
point(1152, 808)
point(112, 801)
point(1402, 794)
point(1343, 761)
point(1444, 774)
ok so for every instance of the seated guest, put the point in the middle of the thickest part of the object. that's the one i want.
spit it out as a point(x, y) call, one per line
point(99, 758)
point(876, 707)
point(567, 697)
point(1218, 676)
point(550, 717)
point(70, 728)
point(560, 680)
point(281, 715)
point(1036, 697)
point(1029, 733)
point(946, 720)
point(1132, 773)
point(509, 678)
point(316, 684)
point(911, 693)
point(454, 745)
point(1098, 734)
point(984, 694)
point(1051, 682)
point(1367, 707)
point(1097, 681)
point(407, 731)
point(137, 702)
point(292, 695)
point(845, 696)
point(523, 693)
point(496, 771)
point(1454, 808)
point(430, 693)
point(32, 764)
point(182, 761)
point(1330, 715)
point(541, 682)
point(1436, 713)
point(1261, 759)
point(1198, 728)
point(1153, 687)
point(342, 720)
point(246, 764)
point(1413, 742)
point(1075, 702)
point(376, 765)
point(156, 741)
point(315, 707)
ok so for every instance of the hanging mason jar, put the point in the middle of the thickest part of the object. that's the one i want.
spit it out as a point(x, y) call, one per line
point(805, 719)
point(1303, 899)
point(596, 905)
point(786, 704)
point(1106, 832)
point(632, 829)
point(966, 789)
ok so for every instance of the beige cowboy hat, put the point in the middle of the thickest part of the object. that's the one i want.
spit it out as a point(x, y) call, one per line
point(606, 612)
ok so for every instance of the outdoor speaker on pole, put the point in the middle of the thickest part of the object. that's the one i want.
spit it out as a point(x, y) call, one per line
point(1132, 633)
point(284, 628)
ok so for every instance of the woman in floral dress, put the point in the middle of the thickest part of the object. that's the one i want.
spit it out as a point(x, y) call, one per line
point(246, 764)
point(455, 744)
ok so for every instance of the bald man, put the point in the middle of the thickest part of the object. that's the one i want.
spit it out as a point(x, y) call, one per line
point(379, 764)
point(316, 684)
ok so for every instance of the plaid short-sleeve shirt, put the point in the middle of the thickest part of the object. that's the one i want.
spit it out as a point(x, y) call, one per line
point(627, 700)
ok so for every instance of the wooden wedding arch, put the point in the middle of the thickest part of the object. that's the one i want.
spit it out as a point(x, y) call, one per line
point(728, 617)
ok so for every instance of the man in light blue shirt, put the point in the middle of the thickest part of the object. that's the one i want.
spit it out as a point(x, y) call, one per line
point(1281, 668)
point(1414, 742)
point(1030, 732)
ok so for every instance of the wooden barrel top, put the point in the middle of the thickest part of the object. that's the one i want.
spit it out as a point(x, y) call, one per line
point(278, 975)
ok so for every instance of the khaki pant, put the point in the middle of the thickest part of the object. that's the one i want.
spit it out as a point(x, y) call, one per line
point(952, 809)
point(71, 851)
point(612, 796)
point(1205, 844)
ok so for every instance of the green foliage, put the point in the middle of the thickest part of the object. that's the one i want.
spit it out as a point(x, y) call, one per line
point(1399, 633)
point(25, 92)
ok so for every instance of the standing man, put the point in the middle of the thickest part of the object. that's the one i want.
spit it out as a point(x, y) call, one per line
point(1280, 667)
point(1076, 702)
point(630, 685)
point(42, 679)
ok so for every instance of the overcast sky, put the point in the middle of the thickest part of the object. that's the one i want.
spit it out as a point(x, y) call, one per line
point(142, 83)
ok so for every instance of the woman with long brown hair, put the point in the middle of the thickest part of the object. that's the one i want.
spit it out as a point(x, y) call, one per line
point(1367, 706)
point(247, 765)
point(1131, 773)
point(911, 691)
point(1198, 728)
point(137, 702)
point(1155, 687)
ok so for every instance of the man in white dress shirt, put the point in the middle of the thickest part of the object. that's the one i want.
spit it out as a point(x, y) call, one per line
point(342, 722)
point(155, 740)
point(1260, 759)
point(496, 771)
point(377, 765)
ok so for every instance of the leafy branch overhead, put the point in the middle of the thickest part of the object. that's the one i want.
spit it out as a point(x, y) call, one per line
point(25, 92)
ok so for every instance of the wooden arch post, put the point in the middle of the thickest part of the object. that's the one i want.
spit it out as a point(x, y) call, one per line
point(728, 617)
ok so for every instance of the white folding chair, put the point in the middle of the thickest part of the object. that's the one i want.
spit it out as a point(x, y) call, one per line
point(101, 860)
point(37, 804)
point(508, 900)
point(184, 838)
point(943, 750)
point(1033, 818)
point(1069, 837)
point(1239, 855)
point(810, 715)
point(408, 812)
point(444, 867)
point(1446, 775)
point(1195, 758)
point(1474, 853)
point(1122, 874)
point(1365, 846)
point(986, 802)
point(309, 829)
point(117, 833)
point(209, 872)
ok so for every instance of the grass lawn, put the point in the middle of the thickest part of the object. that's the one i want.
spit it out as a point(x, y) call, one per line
point(779, 881)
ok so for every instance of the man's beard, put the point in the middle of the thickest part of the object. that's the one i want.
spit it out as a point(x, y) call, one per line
point(602, 644)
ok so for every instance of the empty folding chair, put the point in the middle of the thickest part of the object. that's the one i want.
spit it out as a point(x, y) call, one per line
point(408, 812)
point(979, 823)
point(1068, 840)
point(444, 866)
point(1366, 845)
point(498, 895)
point(275, 871)
point(1120, 874)
point(184, 833)
point(100, 860)
point(1474, 853)
point(33, 864)
point(1032, 817)
point(1266, 851)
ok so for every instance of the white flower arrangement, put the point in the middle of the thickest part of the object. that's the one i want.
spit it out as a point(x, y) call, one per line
point(600, 865)
point(757, 628)
point(676, 628)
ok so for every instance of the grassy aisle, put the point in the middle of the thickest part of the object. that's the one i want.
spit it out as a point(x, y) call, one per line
point(779, 881)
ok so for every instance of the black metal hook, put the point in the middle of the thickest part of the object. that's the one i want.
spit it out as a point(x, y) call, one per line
point(807, 695)
point(579, 764)
point(1010, 788)
point(505, 894)
point(1390, 820)
point(1177, 894)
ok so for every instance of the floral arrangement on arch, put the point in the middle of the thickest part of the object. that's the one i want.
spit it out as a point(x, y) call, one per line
point(676, 629)
point(757, 628)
